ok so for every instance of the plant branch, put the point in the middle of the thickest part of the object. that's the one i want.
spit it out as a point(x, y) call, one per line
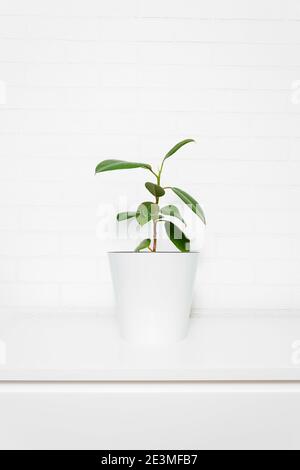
point(153, 172)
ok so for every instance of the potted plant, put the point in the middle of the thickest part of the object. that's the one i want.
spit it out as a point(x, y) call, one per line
point(154, 289)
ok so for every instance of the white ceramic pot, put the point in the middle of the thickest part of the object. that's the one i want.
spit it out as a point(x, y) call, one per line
point(154, 294)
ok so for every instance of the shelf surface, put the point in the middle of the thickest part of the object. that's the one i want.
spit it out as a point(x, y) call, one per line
point(89, 349)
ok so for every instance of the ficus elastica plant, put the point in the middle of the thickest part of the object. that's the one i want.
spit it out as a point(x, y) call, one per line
point(153, 211)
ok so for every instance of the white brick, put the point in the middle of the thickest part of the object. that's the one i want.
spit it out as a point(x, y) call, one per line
point(228, 148)
point(91, 190)
point(8, 269)
point(231, 272)
point(29, 295)
point(235, 125)
point(59, 169)
point(241, 297)
point(278, 222)
point(219, 101)
point(292, 9)
point(179, 53)
point(39, 75)
point(60, 75)
point(88, 295)
point(48, 121)
point(65, 146)
point(248, 197)
point(3, 92)
point(27, 244)
point(9, 218)
point(143, 123)
point(296, 295)
point(37, 27)
point(295, 248)
point(48, 51)
point(67, 8)
point(187, 123)
point(55, 219)
point(216, 77)
point(120, 75)
point(230, 222)
point(256, 55)
point(195, 30)
point(9, 167)
point(85, 244)
point(209, 247)
point(217, 8)
point(236, 172)
point(23, 192)
point(282, 272)
point(62, 270)
point(295, 149)
point(195, 8)
point(256, 248)
point(82, 99)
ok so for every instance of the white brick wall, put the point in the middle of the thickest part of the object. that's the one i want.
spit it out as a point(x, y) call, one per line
point(81, 81)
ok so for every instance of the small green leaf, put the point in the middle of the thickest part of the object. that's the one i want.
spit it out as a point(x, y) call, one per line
point(147, 211)
point(111, 165)
point(125, 216)
point(172, 211)
point(178, 147)
point(191, 202)
point(155, 190)
point(177, 237)
point(143, 245)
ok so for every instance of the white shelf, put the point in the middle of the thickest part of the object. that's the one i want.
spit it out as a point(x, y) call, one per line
point(89, 349)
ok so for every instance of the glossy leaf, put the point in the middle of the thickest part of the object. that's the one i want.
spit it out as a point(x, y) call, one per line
point(112, 165)
point(155, 190)
point(147, 211)
point(177, 237)
point(125, 216)
point(178, 147)
point(191, 202)
point(145, 244)
point(172, 211)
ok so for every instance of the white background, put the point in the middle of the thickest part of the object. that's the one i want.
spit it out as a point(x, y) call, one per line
point(81, 81)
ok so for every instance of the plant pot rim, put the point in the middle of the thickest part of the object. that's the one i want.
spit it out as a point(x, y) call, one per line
point(156, 253)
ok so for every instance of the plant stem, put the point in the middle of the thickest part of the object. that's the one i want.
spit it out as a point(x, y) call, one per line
point(153, 172)
point(154, 249)
point(155, 222)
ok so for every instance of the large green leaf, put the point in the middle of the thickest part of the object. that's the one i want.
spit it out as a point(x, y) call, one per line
point(191, 202)
point(177, 237)
point(125, 216)
point(143, 245)
point(172, 211)
point(111, 165)
point(178, 147)
point(147, 211)
point(156, 190)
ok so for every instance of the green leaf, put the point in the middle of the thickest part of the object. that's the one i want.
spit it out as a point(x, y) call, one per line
point(178, 147)
point(143, 245)
point(172, 211)
point(125, 216)
point(177, 237)
point(111, 165)
point(156, 190)
point(147, 211)
point(191, 202)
